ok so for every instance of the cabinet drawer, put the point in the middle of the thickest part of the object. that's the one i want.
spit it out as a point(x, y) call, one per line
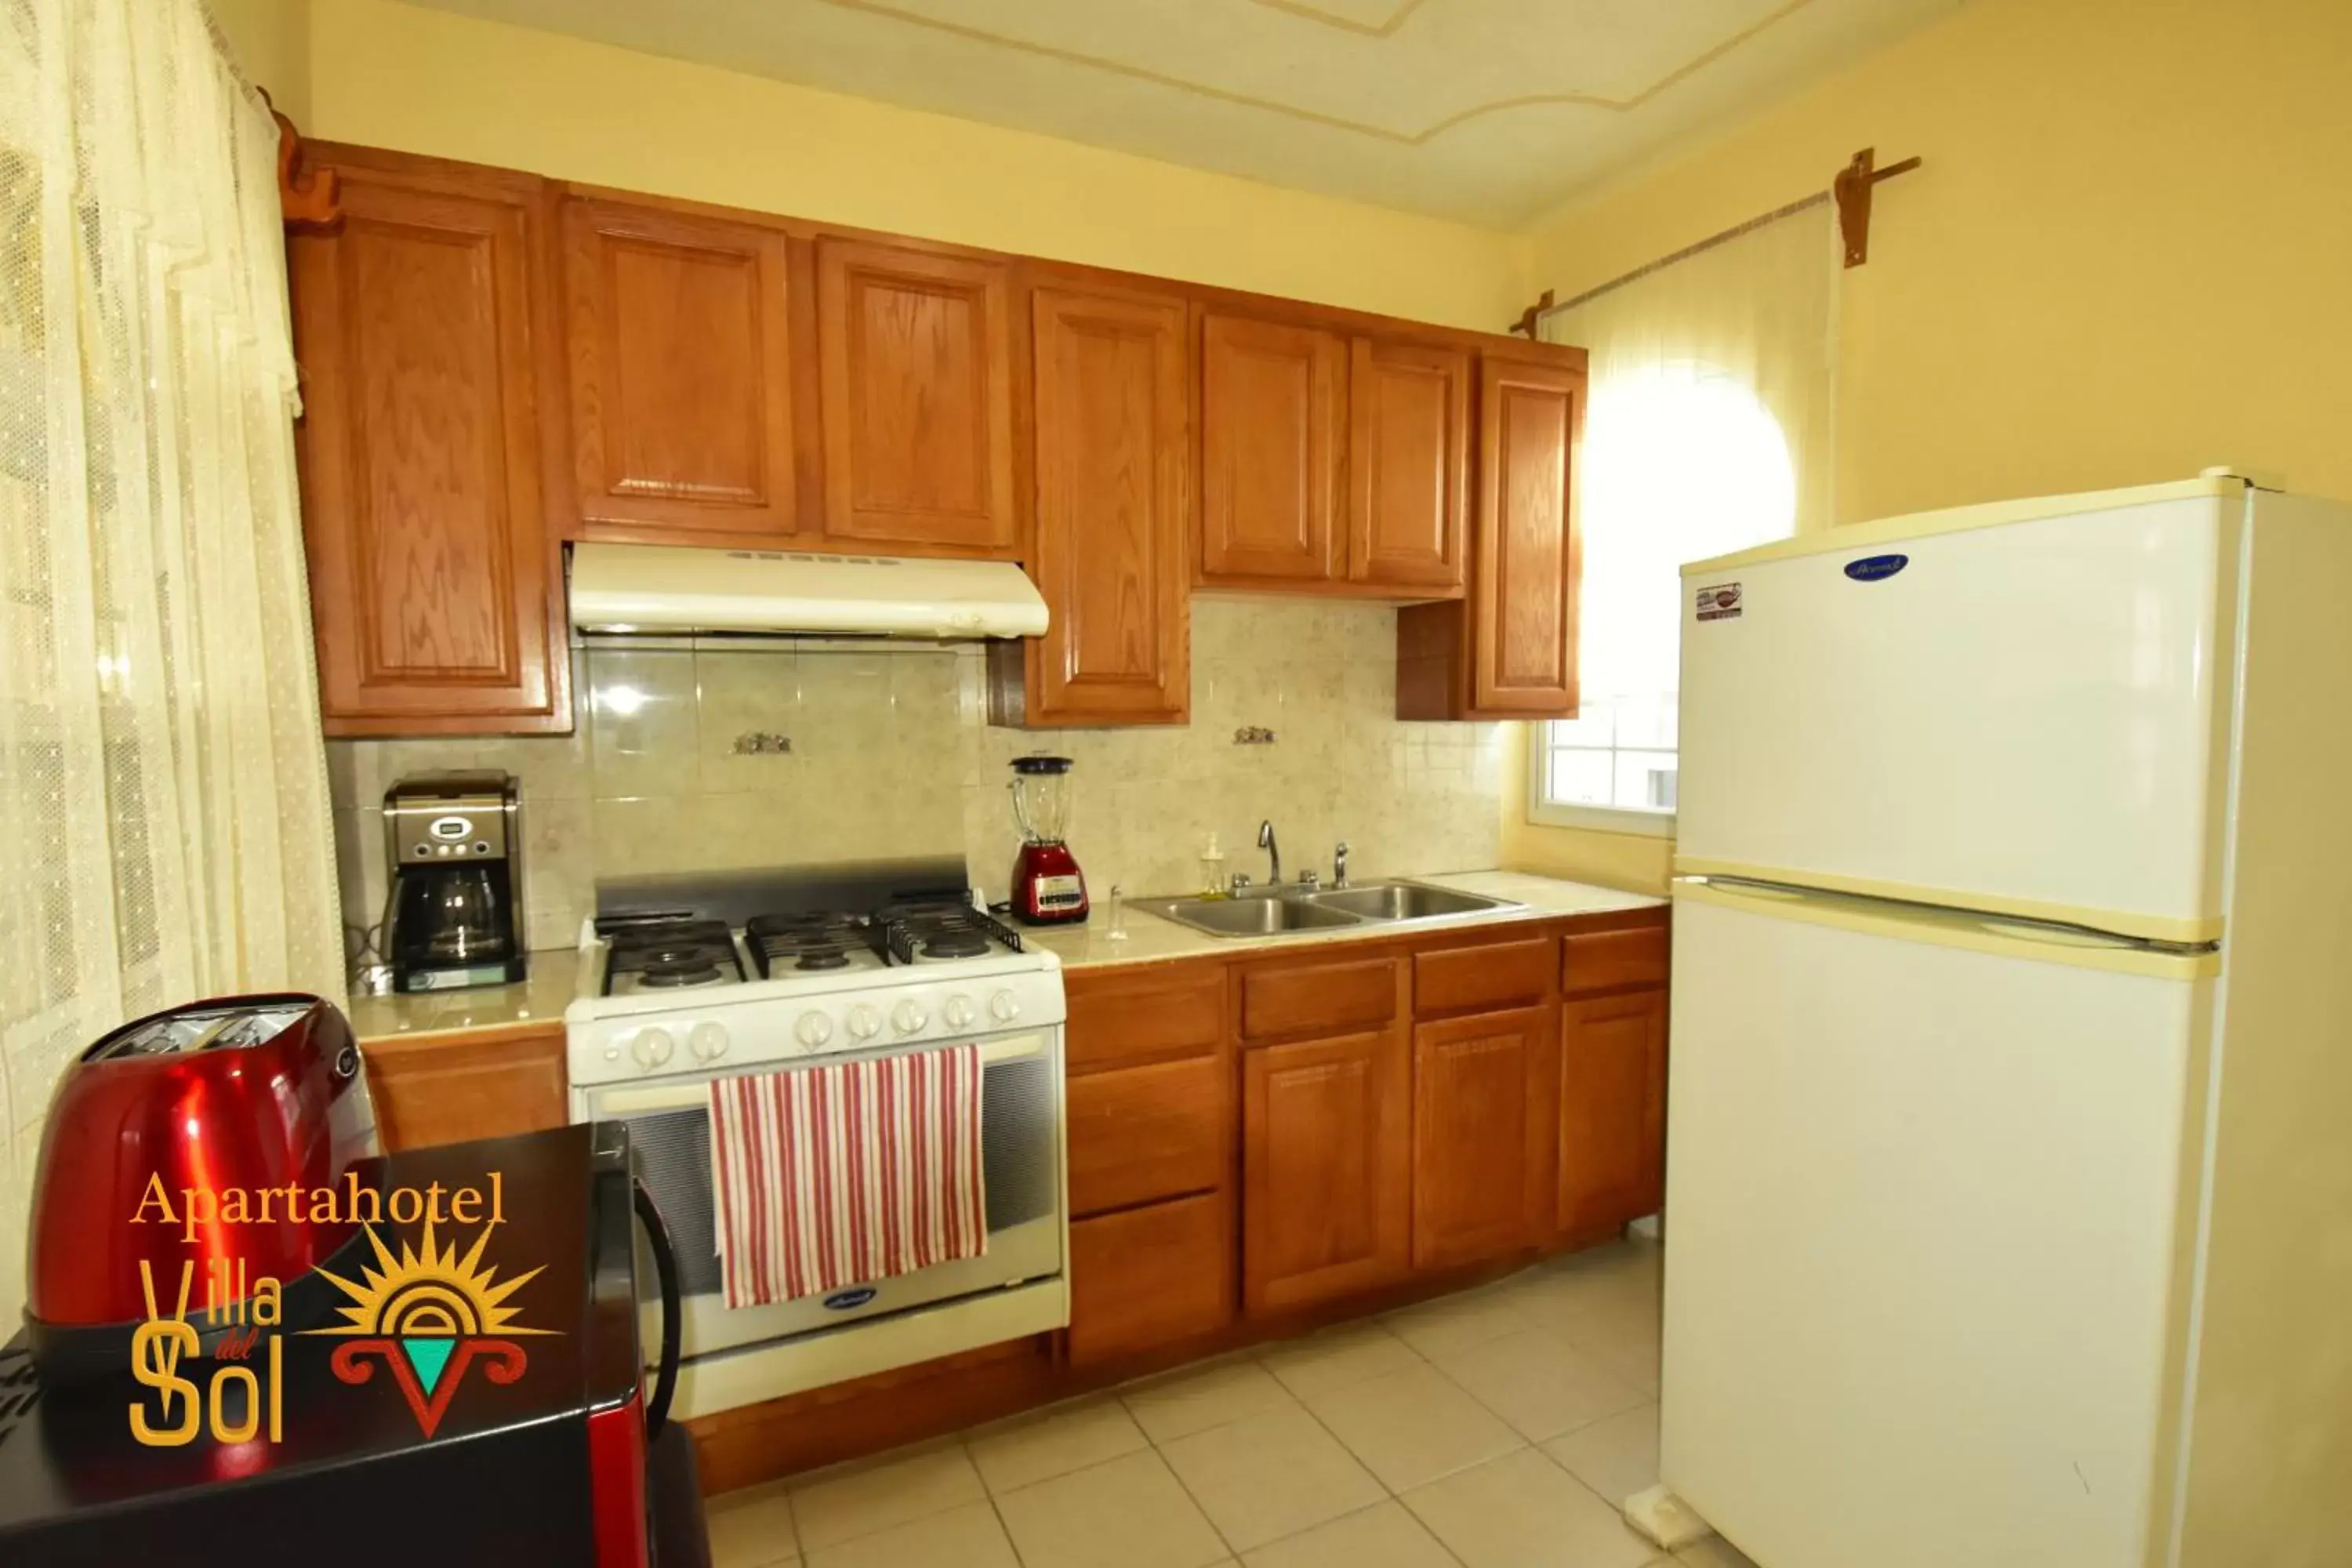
point(1147, 1132)
point(1135, 1017)
point(1144, 1278)
point(1327, 997)
point(1495, 974)
point(1604, 959)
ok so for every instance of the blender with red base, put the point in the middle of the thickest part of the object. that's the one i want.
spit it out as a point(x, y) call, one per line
point(1047, 887)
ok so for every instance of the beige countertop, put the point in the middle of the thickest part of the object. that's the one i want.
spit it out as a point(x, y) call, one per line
point(1151, 939)
point(538, 1001)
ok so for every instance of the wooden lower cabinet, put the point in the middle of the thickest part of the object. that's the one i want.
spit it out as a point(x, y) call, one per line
point(449, 1089)
point(1145, 1277)
point(1482, 1134)
point(1149, 1133)
point(1613, 1103)
point(1327, 1168)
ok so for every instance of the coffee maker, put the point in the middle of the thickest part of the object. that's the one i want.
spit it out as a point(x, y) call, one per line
point(455, 845)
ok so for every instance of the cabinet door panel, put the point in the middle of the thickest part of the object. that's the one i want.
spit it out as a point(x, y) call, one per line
point(1140, 1135)
point(452, 1089)
point(1482, 1134)
point(1613, 1108)
point(1109, 555)
point(1271, 404)
point(1408, 461)
point(1531, 428)
point(917, 373)
point(1295, 998)
point(1326, 1170)
point(421, 323)
point(1119, 1017)
point(681, 375)
point(1143, 1278)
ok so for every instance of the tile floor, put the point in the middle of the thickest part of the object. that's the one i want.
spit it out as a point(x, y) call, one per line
point(1498, 1428)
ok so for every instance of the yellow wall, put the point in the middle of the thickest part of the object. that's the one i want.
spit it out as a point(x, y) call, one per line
point(424, 82)
point(271, 42)
point(2129, 255)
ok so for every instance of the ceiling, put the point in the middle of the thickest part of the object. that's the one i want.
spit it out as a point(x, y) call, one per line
point(1488, 111)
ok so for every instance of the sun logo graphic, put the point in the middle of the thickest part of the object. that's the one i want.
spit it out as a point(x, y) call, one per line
point(430, 1314)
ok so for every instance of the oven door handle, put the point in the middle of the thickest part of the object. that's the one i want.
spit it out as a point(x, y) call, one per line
point(695, 1093)
point(665, 1274)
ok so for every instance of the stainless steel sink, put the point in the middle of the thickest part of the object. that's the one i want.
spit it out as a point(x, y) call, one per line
point(1271, 911)
point(1267, 916)
point(1403, 901)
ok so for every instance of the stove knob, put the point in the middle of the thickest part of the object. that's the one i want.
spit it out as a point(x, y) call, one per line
point(864, 1023)
point(1004, 1007)
point(652, 1048)
point(707, 1041)
point(909, 1017)
point(957, 1013)
point(812, 1030)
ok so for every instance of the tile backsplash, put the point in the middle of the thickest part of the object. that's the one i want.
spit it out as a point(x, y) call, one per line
point(767, 755)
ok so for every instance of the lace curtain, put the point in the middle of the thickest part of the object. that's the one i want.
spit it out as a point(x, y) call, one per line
point(1710, 429)
point(164, 829)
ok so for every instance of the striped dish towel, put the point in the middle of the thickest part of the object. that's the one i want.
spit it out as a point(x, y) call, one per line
point(847, 1173)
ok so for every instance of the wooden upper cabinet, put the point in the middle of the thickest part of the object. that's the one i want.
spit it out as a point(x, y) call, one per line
point(915, 353)
point(1612, 1101)
point(1327, 1171)
point(1508, 649)
point(680, 374)
point(1273, 407)
point(1108, 552)
point(425, 329)
point(1407, 464)
point(1531, 436)
point(1482, 1134)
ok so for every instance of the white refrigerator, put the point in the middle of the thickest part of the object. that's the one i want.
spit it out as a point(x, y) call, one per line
point(2008, 1197)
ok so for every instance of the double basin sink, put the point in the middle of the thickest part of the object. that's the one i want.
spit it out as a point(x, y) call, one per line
point(1273, 912)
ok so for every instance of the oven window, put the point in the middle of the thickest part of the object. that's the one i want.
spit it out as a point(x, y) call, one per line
point(1019, 1156)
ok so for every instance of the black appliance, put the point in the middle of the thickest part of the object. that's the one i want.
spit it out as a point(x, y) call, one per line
point(466, 1425)
point(454, 842)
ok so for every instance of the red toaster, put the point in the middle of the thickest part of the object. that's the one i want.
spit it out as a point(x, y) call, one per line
point(161, 1142)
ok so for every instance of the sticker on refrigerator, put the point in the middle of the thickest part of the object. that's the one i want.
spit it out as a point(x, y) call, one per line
point(1719, 602)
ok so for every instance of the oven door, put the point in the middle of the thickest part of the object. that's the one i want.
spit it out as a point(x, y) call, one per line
point(1020, 1152)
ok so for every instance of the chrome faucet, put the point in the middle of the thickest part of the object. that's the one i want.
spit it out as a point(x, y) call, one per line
point(1273, 855)
point(1340, 865)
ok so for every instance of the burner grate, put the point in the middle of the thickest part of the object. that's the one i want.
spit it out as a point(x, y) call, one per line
point(916, 932)
point(669, 953)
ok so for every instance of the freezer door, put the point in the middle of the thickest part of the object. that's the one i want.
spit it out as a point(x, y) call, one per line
point(1924, 1204)
point(2030, 716)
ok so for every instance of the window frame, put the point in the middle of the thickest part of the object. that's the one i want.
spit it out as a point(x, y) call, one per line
point(1545, 811)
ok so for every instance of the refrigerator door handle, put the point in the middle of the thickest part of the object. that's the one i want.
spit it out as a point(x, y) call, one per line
point(1979, 931)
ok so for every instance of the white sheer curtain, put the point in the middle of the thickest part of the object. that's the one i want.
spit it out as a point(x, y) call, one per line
point(1710, 429)
point(164, 829)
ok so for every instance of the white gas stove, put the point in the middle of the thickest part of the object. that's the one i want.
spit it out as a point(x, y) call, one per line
point(684, 984)
point(661, 995)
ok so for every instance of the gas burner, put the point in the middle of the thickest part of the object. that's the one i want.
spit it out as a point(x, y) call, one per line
point(678, 975)
point(823, 958)
point(956, 944)
point(673, 954)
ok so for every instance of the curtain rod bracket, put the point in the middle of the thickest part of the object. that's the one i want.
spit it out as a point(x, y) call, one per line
point(1851, 189)
point(309, 198)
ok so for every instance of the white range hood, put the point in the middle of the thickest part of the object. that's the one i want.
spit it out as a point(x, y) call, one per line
point(672, 588)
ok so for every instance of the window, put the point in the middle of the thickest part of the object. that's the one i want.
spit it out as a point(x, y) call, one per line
point(1682, 462)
